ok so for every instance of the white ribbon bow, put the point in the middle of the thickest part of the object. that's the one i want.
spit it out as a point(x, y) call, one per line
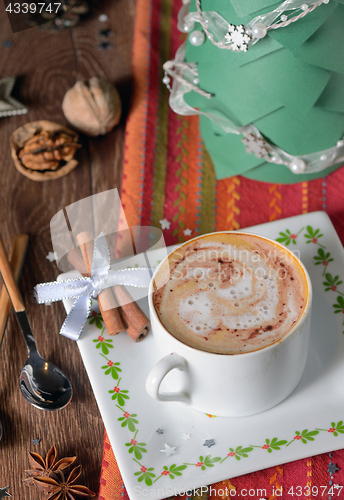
point(83, 289)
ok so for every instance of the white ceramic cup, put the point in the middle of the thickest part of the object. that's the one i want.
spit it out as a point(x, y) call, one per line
point(230, 384)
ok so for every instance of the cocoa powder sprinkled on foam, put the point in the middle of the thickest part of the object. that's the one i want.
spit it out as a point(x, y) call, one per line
point(265, 309)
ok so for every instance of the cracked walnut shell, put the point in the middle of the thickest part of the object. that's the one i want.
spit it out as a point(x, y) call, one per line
point(93, 107)
point(44, 150)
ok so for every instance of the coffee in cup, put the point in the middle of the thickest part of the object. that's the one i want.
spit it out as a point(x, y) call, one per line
point(230, 293)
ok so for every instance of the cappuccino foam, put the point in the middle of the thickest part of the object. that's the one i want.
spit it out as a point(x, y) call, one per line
point(230, 293)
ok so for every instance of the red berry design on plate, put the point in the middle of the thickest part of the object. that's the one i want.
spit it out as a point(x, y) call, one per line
point(199, 464)
point(297, 437)
point(110, 363)
point(143, 469)
point(116, 389)
point(126, 414)
point(265, 447)
point(231, 454)
point(331, 429)
point(314, 240)
point(133, 442)
point(165, 473)
point(103, 344)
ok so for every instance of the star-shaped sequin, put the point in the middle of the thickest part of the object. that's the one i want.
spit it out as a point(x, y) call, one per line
point(169, 450)
point(165, 224)
point(209, 442)
point(187, 232)
point(332, 468)
point(186, 437)
point(52, 256)
point(239, 37)
point(36, 441)
point(4, 493)
point(8, 105)
point(159, 431)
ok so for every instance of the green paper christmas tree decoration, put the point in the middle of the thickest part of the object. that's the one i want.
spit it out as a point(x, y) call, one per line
point(290, 85)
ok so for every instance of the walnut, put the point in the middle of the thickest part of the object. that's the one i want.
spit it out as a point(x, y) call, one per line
point(44, 150)
point(93, 107)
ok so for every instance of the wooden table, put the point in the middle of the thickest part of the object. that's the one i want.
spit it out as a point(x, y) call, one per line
point(47, 65)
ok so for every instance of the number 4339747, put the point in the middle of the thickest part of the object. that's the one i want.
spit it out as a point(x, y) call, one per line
point(33, 8)
point(315, 491)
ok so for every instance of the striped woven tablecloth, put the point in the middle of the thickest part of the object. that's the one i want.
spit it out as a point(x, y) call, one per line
point(169, 175)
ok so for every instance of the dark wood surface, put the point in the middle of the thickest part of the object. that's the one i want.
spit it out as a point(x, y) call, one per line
point(46, 66)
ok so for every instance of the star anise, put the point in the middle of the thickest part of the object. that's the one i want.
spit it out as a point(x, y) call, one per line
point(41, 467)
point(56, 487)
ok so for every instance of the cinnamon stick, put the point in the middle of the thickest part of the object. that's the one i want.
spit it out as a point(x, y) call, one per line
point(76, 260)
point(20, 244)
point(107, 303)
point(134, 317)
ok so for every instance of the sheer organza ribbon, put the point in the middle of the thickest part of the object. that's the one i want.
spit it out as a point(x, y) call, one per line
point(84, 289)
point(313, 162)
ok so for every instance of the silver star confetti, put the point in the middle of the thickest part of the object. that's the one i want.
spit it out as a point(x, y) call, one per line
point(186, 437)
point(36, 441)
point(52, 256)
point(332, 468)
point(4, 493)
point(169, 450)
point(8, 105)
point(239, 37)
point(209, 442)
point(159, 431)
point(165, 224)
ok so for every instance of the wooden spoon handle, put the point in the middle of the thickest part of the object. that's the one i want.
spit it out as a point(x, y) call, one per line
point(10, 283)
point(20, 244)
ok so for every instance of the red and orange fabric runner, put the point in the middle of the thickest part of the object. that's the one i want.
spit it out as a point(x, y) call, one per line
point(168, 174)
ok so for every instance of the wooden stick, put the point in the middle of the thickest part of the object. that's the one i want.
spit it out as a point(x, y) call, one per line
point(20, 244)
point(134, 317)
point(107, 303)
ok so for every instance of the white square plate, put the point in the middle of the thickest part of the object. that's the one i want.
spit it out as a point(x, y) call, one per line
point(308, 422)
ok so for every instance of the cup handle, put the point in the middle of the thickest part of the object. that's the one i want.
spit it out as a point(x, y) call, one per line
point(159, 372)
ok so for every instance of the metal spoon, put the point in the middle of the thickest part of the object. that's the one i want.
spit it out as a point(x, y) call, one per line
point(20, 244)
point(41, 383)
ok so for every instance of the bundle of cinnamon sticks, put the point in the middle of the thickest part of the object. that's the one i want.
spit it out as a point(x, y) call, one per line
point(119, 310)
